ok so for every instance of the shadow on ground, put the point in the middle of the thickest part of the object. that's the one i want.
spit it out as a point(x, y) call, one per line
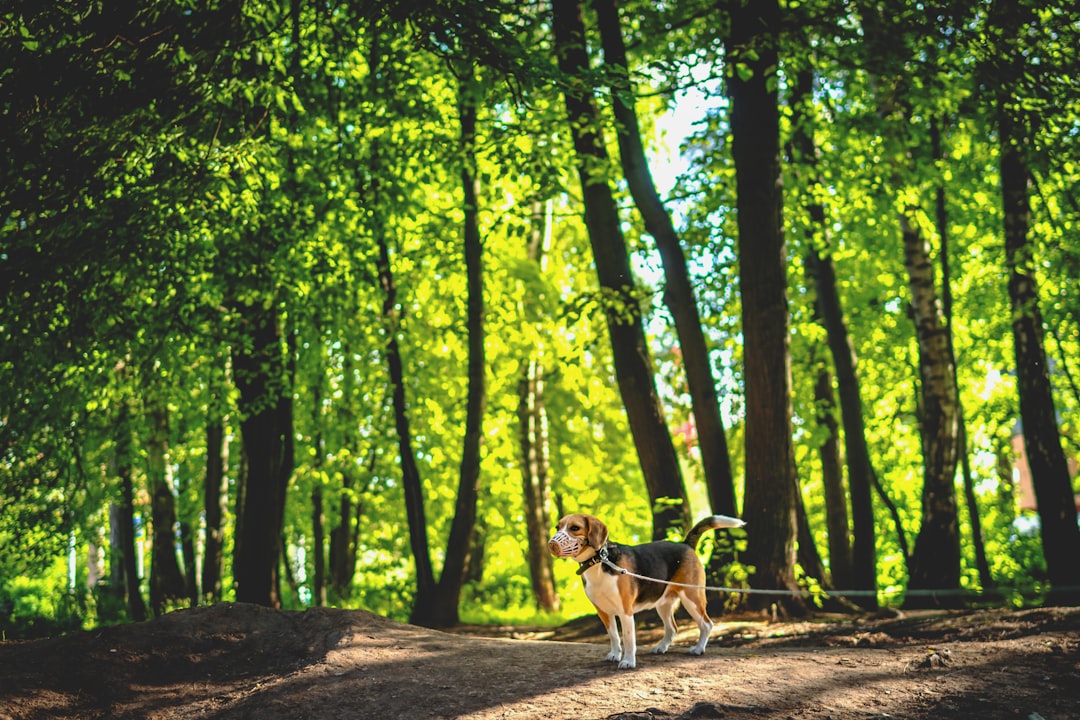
point(244, 661)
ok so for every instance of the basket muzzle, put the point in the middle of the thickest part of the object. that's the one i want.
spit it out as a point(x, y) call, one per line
point(564, 545)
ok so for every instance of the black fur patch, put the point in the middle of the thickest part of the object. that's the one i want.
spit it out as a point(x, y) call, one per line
point(657, 560)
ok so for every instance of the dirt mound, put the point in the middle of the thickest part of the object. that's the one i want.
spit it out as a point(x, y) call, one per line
point(245, 661)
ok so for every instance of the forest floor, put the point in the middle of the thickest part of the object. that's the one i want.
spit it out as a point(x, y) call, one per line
point(245, 661)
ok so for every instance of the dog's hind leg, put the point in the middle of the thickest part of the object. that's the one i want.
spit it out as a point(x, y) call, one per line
point(666, 610)
point(695, 605)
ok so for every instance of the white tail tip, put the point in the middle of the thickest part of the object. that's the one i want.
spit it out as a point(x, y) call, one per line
point(724, 521)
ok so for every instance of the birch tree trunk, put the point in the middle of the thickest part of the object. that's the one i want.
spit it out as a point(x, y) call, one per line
point(941, 217)
point(533, 442)
point(935, 562)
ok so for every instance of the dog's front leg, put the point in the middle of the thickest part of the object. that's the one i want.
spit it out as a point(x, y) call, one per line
point(613, 635)
point(629, 654)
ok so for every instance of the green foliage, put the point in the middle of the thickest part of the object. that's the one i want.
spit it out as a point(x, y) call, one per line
point(36, 607)
point(169, 168)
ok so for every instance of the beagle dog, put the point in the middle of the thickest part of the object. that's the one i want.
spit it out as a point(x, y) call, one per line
point(584, 538)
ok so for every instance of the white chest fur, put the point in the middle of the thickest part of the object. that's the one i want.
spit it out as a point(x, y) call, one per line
point(611, 593)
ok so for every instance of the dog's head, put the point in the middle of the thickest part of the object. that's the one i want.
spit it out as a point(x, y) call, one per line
point(575, 533)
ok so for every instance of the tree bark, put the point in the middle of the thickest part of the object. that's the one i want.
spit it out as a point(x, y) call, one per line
point(861, 475)
point(318, 526)
point(459, 544)
point(858, 559)
point(343, 535)
point(214, 510)
point(533, 443)
point(807, 553)
point(633, 362)
point(679, 292)
point(935, 562)
point(266, 427)
point(411, 482)
point(986, 580)
point(342, 547)
point(1042, 439)
point(410, 473)
point(805, 158)
point(167, 585)
point(769, 500)
point(832, 480)
point(318, 552)
point(125, 515)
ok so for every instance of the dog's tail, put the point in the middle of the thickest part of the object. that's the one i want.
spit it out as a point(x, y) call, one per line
point(713, 522)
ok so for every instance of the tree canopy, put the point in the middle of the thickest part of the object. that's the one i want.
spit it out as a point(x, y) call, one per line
point(290, 280)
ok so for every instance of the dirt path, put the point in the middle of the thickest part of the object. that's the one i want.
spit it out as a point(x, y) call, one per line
point(242, 661)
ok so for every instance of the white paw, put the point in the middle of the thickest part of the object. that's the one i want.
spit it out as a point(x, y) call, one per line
point(697, 650)
point(612, 656)
point(627, 664)
point(661, 649)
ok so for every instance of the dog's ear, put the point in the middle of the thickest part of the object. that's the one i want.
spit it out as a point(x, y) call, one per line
point(597, 532)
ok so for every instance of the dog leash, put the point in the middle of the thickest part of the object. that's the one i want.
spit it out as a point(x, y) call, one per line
point(601, 556)
point(624, 571)
point(763, 591)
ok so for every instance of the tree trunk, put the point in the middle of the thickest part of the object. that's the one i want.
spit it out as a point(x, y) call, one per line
point(857, 560)
point(633, 361)
point(318, 552)
point(318, 533)
point(188, 553)
point(125, 515)
point(411, 483)
point(807, 553)
point(804, 159)
point(410, 473)
point(986, 580)
point(462, 528)
point(769, 502)
point(266, 426)
point(935, 562)
point(861, 476)
point(1042, 440)
point(167, 586)
point(343, 535)
point(533, 441)
point(679, 291)
point(832, 480)
point(342, 549)
point(214, 510)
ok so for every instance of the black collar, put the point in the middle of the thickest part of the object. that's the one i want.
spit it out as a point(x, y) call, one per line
point(599, 557)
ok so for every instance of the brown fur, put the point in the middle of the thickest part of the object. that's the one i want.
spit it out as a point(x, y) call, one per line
point(619, 595)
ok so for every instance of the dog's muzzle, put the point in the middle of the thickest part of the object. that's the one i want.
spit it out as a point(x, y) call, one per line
point(564, 545)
